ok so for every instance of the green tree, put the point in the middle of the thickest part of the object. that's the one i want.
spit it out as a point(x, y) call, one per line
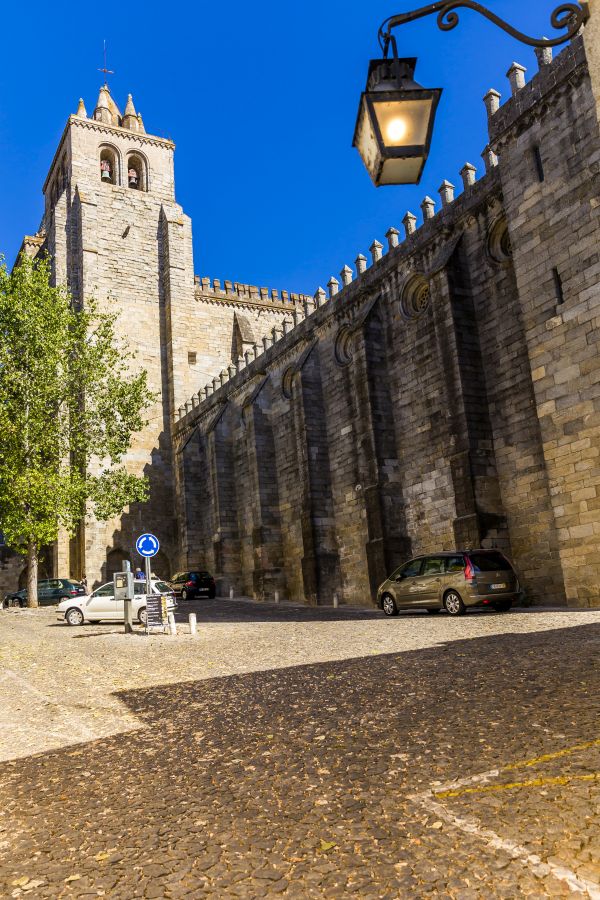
point(69, 405)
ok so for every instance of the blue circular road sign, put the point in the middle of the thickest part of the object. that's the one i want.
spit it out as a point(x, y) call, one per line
point(147, 545)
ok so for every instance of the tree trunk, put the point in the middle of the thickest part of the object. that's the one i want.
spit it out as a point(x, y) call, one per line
point(32, 574)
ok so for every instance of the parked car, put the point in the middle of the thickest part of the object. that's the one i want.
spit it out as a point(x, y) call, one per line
point(50, 591)
point(453, 581)
point(101, 605)
point(188, 585)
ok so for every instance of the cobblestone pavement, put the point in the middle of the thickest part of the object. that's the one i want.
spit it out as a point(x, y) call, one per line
point(302, 753)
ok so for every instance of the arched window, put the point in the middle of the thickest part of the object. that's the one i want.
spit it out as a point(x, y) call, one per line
point(114, 562)
point(137, 175)
point(109, 173)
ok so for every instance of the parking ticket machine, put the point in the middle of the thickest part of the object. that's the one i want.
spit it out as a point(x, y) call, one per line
point(123, 590)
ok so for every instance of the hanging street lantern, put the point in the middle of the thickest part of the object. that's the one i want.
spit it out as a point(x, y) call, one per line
point(396, 115)
point(395, 122)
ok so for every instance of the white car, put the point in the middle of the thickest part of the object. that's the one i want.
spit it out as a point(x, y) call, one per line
point(101, 605)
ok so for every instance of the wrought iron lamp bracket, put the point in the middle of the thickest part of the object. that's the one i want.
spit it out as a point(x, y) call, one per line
point(568, 15)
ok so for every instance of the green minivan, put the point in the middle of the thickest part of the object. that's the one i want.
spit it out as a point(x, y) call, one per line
point(451, 580)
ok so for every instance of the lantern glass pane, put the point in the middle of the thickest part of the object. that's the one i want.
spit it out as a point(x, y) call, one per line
point(401, 171)
point(403, 123)
point(366, 141)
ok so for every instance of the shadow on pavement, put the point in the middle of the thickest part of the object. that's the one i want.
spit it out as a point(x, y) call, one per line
point(298, 780)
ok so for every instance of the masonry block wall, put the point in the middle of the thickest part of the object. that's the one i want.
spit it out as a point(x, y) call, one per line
point(225, 321)
point(448, 397)
point(547, 138)
point(106, 241)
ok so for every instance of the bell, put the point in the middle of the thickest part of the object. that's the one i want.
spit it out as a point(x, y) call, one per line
point(105, 171)
point(133, 178)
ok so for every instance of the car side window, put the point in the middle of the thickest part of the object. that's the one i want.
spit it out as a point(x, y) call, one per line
point(139, 587)
point(411, 569)
point(54, 584)
point(454, 564)
point(433, 565)
point(105, 591)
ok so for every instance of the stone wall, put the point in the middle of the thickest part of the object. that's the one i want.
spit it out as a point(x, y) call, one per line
point(447, 397)
point(547, 138)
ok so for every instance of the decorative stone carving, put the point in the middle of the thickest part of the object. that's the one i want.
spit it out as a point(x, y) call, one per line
point(343, 346)
point(415, 296)
point(498, 244)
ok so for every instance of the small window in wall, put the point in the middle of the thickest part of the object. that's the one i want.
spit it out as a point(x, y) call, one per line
point(191, 358)
point(539, 165)
point(108, 166)
point(558, 286)
point(136, 173)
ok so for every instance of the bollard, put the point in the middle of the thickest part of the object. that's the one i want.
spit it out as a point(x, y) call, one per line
point(231, 593)
point(193, 629)
point(172, 625)
point(276, 596)
point(335, 601)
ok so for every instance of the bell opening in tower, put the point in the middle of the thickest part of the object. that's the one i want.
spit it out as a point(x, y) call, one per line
point(108, 167)
point(136, 174)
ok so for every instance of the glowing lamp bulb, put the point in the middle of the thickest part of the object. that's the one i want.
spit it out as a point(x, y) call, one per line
point(396, 130)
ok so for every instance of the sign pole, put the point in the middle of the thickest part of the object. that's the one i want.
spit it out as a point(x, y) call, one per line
point(148, 587)
point(147, 545)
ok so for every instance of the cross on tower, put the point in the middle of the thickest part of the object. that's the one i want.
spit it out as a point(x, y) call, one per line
point(104, 69)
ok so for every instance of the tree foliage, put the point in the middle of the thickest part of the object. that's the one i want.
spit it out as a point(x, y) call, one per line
point(69, 405)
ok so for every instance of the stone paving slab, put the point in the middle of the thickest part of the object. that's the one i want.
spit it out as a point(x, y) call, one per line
point(280, 754)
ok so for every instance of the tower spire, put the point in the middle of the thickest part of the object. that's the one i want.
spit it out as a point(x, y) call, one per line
point(130, 119)
point(102, 111)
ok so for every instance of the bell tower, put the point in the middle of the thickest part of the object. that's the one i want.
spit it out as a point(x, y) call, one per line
point(114, 232)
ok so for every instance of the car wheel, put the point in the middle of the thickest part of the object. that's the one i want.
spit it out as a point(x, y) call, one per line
point(142, 616)
point(432, 611)
point(502, 605)
point(184, 594)
point(74, 616)
point(388, 604)
point(453, 604)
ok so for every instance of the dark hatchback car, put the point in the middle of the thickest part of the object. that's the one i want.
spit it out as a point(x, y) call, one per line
point(188, 585)
point(50, 592)
point(453, 581)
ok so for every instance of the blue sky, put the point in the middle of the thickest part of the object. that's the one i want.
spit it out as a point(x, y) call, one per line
point(261, 101)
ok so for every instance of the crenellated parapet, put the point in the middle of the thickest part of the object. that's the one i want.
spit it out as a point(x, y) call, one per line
point(215, 290)
point(526, 101)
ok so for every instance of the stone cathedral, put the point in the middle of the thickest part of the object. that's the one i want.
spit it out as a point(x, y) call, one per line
point(444, 393)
